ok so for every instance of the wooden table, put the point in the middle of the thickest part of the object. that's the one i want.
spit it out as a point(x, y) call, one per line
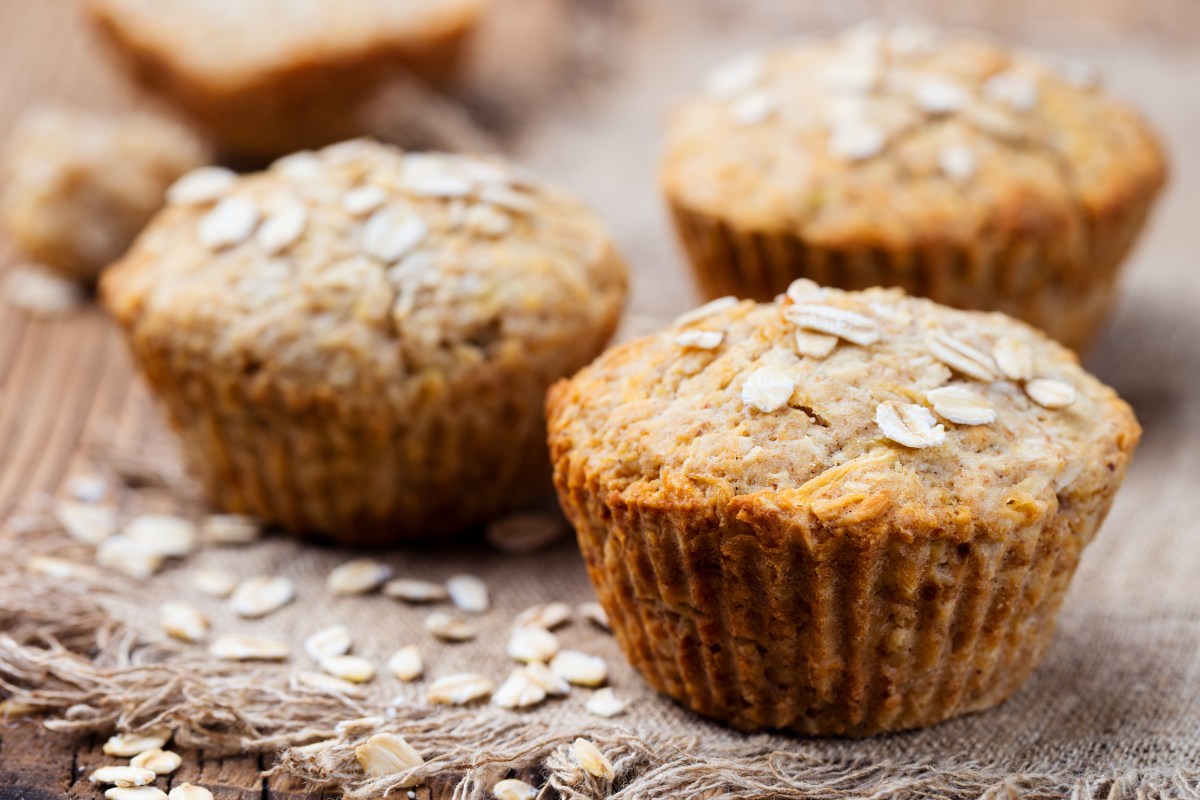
point(66, 382)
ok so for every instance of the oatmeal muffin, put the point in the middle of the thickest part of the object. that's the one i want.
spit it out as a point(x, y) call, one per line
point(946, 165)
point(79, 186)
point(358, 341)
point(838, 513)
point(267, 77)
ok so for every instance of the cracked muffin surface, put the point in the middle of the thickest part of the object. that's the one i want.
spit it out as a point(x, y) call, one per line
point(813, 513)
point(411, 299)
point(943, 163)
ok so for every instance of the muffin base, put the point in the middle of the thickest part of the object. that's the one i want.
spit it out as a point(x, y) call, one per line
point(766, 625)
point(1064, 284)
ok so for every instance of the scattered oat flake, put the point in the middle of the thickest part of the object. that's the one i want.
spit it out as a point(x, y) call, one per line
point(86, 523)
point(248, 648)
point(518, 691)
point(459, 689)
point(957, 162)
point(448, 627)
point(363, 200)
point(135, 793)
point(514, 789)
point(1014, 357)
point(909, 424)
point(386, 754)
point(183, 622)
point(1050, 393)
point(545, 615)
point(164, 534)
point(360, 576)
point(349, 668)
point(61, 568)
point(389, 236)
point(605, 703)
point(525, 533)
point(595, 613)
point(330, 684)
point(331, 641)
point(815, 345)
point(128, 557)
point(189, 791)
point(961, 405)
point(133, 775)
point(737, 75)
point(550, 681)
point(158, 761)
point(529, 643)
point(40, 293)
point(962, 357)
point(591, 759)
point(469, 593)
point(202, 185)
point(230, 529)
point(767, 389)
point(126, 745)
point(413, 590)
point(261, 595)
point(282, 228)
point(230, 223)
point(406, 663)
point(842, 323)
point(214, 582)
point(579, 668)
point(706, 310)
point(700, 339)
point(359, 725)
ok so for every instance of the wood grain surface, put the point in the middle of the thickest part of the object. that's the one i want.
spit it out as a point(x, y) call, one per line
point(66, 384)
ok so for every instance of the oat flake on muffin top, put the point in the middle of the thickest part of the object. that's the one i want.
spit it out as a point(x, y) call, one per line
point(872, 410)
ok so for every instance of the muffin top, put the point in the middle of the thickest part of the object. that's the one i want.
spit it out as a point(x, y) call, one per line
point(874, 411)
point(361, 265)
point(235, 43)
point(904, 134)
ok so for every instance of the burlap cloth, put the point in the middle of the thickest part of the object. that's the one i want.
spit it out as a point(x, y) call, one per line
point(1113, 711)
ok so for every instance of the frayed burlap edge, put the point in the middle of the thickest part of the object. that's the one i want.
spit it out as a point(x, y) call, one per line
point(68, 652)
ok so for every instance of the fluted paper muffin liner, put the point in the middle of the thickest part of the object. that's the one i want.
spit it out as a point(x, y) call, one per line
point(1064, 284)
point(822, 630)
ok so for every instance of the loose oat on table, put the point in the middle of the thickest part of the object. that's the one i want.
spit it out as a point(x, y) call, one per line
point(355, 669)
point(158, 761)
point(553, 683)
point(133, 775)
point(525, 533)
point(605, 703)
point(518, 690)
point(84, 522)
point(189, 791)
point(165, 534)
point(449, 627)
point(135, 793)
point(262, 595)
point(580, 668)
point(386, 754)
point(329, 684)
point(406, 664)
point(63, 568)
point(130, 558)
point(469, 593)
point(128, 745)
point(334, 640)
point(514, 789)
point(214, 582)
point(591, 759)
point(249, 648)
point(530, 643)
point(459, 689)
point(360, 576)
point(545, 615)
point(183, 622)
point(414, 590)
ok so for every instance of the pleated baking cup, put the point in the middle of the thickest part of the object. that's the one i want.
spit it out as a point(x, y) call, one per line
point(823, 631)
point(1064, 284)
point(362, 476)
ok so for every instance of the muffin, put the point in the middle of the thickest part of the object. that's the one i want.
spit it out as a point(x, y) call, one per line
point(267, 77)
point(943, 164)
point(79, 186)
point(839, 513)
point(357, 342)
